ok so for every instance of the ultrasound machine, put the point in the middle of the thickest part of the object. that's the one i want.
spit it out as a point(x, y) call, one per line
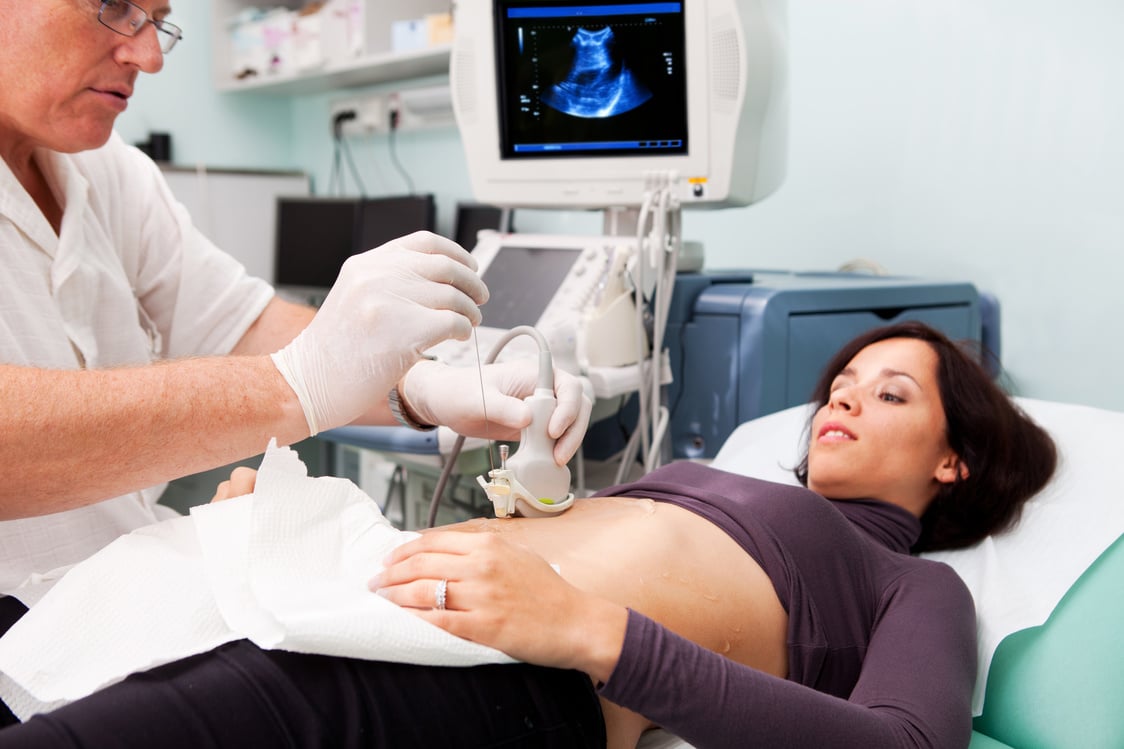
point(635, 109)
point(591, 104)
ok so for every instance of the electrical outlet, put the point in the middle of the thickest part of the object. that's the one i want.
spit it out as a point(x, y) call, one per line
point(422, 108)
point(370, 115)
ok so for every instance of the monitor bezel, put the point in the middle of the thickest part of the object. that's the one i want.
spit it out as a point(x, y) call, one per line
point(737, 100)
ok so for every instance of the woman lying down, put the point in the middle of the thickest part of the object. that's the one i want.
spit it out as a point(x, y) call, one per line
point(725, 609)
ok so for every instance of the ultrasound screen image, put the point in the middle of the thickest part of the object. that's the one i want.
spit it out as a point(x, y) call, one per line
point(592, 79)
point(600, 84)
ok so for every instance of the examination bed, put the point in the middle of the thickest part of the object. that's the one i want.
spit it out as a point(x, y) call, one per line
point(1047, 592)
point(1056, 650)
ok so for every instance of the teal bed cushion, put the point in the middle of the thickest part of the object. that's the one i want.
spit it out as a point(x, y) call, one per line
point(1061, 685)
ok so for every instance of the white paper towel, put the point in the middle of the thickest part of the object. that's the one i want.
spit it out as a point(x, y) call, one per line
point(285, 567)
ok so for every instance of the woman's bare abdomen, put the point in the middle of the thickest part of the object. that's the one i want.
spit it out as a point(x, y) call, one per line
point(667, 563)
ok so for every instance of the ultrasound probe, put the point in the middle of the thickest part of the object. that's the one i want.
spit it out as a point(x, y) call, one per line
point(530, 483)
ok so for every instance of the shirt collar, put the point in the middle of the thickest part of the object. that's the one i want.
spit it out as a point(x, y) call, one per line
point(17, 206)
point(890, 525)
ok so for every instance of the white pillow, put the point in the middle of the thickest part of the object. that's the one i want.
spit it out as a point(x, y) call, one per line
point(766, 448)
point(1018, 577)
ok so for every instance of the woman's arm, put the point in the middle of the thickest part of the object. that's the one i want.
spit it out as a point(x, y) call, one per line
point(506, 596)
point(914, 690)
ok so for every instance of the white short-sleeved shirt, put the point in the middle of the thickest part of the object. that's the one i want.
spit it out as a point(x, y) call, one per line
point(127, 280)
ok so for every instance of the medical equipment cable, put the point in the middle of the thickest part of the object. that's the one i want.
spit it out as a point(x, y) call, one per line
point(638, 438)
point(443, 479)
point(545, 381)
point(392, 144)
point(340, 144)
point(354, 169)
point(669, 237)
point(335, 181)
point(657, 243)
point(672, 238)
point(332, 177)
point(663, 239)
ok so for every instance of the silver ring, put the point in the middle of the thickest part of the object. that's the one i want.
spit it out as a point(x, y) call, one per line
point(439, 594)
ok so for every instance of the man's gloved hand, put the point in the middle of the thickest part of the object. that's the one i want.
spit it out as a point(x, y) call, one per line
point(440, 394)
point(388, 305)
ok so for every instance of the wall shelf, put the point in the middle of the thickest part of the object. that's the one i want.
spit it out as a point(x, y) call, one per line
point(367, 70)
point(384, 53)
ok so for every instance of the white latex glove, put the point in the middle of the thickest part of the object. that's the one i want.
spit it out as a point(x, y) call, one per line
point(439, 394)
point(387, 306)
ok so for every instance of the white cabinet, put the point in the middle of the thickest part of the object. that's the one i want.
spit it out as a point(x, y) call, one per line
point(292, 49)
point(237, 209)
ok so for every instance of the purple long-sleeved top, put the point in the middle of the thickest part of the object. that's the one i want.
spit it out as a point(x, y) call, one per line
point(881, 645)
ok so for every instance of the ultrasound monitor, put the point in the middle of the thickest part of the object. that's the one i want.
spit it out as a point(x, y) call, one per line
point(316, 235)
point(577, 104)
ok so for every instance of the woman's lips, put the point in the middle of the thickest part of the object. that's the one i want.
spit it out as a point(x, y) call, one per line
point(835, 432)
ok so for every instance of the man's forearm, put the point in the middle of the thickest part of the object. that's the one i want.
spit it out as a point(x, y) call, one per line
point(279, 323)
point(71, 438)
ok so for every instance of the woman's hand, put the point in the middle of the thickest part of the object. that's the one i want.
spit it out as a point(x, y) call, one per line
point(504, 596)
point(241, 481)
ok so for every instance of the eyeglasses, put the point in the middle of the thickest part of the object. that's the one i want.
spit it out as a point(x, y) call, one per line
point(128, 19)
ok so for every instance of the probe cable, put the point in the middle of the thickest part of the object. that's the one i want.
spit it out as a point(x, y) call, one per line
point(545, 380)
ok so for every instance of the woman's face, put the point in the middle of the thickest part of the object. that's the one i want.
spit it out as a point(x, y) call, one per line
point(882, 433)
point(64, 77)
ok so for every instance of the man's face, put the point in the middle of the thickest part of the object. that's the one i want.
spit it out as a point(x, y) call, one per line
point(64, 77)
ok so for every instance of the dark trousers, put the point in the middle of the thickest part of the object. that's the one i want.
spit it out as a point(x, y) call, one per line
point(10, 612)
point(241, 696)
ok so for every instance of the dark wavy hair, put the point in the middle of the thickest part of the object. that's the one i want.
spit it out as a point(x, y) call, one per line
point(1008, 456)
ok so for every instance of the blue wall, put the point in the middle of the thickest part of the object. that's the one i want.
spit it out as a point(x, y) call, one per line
point(218, 130)
point(966, 140)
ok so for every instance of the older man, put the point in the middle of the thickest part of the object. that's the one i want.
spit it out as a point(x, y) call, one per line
point(133, 351)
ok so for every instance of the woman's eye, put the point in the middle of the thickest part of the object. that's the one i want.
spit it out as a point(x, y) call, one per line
point(891, 397)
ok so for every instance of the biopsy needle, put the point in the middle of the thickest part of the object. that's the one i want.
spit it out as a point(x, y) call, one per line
point(483, 399)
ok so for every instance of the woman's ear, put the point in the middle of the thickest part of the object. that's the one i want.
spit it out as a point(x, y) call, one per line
point(951, 469)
